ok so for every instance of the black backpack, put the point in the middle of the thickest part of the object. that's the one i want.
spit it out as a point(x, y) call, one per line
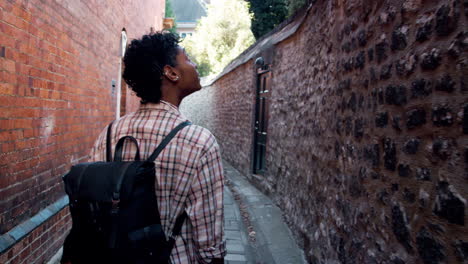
point(115, 217)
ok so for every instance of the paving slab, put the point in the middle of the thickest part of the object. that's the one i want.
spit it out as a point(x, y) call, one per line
point(239, 251)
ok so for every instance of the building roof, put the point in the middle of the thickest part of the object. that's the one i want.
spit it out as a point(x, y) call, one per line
point(189, 10)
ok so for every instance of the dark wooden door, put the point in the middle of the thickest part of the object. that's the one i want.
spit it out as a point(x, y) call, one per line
point(261, 118)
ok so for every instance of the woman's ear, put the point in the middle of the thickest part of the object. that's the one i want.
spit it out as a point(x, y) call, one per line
point(171, 73)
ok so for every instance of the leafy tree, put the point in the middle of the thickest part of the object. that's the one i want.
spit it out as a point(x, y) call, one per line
point(169, 12)
point(220, 36)
point(267, 14)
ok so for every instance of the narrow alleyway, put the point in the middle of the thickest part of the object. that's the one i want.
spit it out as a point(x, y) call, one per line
point(353, 115)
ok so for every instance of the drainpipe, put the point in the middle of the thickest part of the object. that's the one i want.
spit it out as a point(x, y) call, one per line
point(123, 46)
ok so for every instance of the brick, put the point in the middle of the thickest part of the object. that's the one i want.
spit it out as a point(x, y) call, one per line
point(21, 13)
point(6, 89)
point(15, 21)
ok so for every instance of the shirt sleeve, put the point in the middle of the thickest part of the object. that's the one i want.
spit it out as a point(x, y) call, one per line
point(206, 208)
point(98, 152)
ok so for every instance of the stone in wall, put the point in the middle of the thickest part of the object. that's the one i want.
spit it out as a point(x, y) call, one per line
point(430, 250)
point(423, 174)
point(362, 37)
point(406, 65)
point(400, 228)
point(395, 95)
point(423, 199)
point(404, 170)
point(447, 18)
point(449, 205)
point(442, 148)
point(431, 60)
point(358, 128)
point(381, 51)
point(386, 71)
point(390, 159)
point(360, 60)
point(372, 153)
point(396, 119)
point(445, 84)
point(420, 88)
point(411, 146)
point(352, 104)
point(425, 28)
point(459, 44)
point(461, 250)
point(415, 118)
point(381, 120)
point(409, 196)
point(399, 38)
point(442, 116)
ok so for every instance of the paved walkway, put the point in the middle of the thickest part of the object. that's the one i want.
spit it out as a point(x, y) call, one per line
point(261, 236)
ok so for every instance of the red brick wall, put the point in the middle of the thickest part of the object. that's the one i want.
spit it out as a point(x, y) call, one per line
point(57, 61)
point(367, 149)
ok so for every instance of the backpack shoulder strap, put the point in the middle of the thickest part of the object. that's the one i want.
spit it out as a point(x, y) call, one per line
point(172, 236)
point(178, 225)
point(167, 139)
point(108, 143)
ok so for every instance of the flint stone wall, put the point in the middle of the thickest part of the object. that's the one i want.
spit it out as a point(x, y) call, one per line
point(367, 150)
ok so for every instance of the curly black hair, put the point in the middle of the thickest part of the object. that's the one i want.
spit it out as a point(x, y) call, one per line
point(144, 61)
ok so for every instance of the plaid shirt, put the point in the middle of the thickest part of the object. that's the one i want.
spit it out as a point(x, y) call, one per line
point(189, 177)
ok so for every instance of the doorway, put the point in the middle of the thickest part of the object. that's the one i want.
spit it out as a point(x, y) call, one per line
point(262, 103)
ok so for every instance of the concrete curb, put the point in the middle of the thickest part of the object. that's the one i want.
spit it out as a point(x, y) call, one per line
point(274, 241)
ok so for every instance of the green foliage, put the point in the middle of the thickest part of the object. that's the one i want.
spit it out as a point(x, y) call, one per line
point(294, 5)
point(169, 12)
point(220, 36)
point(267, 14)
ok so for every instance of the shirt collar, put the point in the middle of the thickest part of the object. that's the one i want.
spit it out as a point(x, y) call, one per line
point(162, 105)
